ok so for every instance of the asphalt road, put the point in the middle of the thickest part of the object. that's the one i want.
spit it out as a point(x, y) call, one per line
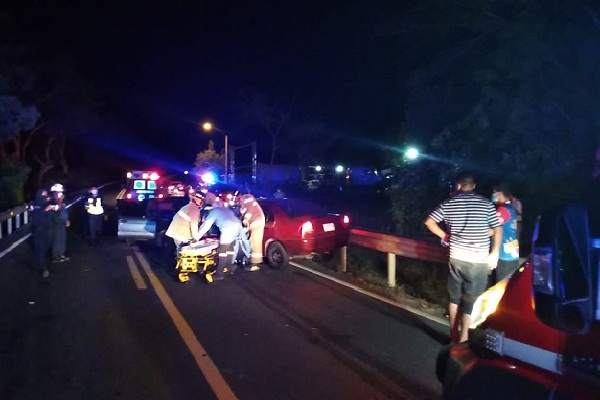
point(113, 323)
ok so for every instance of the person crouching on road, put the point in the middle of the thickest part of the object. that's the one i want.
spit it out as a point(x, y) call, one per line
point(94, 215)
point(60, 223)
point(184, 226)
point(253, 218)
point(230, 228)
point(41, 222)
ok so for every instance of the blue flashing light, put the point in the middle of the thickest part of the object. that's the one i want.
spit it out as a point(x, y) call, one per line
point(208, 178)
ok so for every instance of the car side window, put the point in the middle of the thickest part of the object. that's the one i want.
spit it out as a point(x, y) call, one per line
point(269, 217)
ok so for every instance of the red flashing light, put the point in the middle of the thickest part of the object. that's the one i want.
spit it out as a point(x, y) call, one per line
point(154, 176)
point(346, 220)
point(129, 196)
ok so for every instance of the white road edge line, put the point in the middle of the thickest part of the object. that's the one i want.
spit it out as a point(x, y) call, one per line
point(413, 310)
point(14, 245)
point(140, 284)
point(207, 366)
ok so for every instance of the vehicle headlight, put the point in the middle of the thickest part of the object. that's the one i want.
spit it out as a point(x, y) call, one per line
point(486, 304)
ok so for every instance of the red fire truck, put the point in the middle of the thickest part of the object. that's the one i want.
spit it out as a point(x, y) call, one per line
point(537, 333)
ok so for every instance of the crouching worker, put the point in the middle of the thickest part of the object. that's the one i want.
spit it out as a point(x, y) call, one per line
point(184, 226)
point(230, 228)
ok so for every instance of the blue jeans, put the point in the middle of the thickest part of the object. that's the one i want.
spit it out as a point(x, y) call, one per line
point(59, 240)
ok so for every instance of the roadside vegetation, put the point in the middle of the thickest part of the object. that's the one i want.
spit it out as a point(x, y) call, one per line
point(415, 280)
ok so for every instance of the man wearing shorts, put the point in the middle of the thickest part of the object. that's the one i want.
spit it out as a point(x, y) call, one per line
point(468, 218)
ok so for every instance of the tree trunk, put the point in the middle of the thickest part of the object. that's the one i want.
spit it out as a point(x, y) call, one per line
point(46, 164)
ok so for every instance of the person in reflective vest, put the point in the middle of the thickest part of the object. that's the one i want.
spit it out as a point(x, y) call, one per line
point(94, 216)
point(184, 226)
point(253, 219)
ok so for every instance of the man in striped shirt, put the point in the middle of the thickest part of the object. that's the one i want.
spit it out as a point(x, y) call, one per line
point(468, 218)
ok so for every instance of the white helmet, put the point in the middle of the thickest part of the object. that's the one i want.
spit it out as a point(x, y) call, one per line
point(57, 187)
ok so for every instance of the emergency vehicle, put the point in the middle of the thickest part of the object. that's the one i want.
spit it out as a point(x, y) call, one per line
point(140, 186)
point(132, 204)
point(536, 334)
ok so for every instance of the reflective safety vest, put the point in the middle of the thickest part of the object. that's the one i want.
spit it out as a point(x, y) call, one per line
point(93, 205)
point(251, 212)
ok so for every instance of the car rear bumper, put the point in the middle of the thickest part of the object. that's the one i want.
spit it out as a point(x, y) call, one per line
point(464, 374)
point(136, 228)
point(312, 246)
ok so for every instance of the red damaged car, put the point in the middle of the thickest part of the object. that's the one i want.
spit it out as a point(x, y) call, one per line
point(296, 227)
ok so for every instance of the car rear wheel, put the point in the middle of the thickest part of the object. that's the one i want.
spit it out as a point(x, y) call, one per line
point(277, 257)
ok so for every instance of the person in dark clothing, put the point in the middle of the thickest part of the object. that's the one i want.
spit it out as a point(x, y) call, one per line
point(41, 222)
point(60, 223)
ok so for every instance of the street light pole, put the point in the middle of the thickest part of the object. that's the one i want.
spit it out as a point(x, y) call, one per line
point(226, 172)
point(208, 126)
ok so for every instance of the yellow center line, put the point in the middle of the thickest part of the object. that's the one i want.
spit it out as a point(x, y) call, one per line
point(135, 274)
point(208, 368)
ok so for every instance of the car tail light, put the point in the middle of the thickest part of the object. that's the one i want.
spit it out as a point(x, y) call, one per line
point(129, 196)
point(346, 220)
point(307, 229)
point(160, 195)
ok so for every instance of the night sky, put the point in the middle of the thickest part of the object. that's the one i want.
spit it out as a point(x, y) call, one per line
point(165, 66)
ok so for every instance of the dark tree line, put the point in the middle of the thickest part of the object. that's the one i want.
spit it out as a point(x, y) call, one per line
point(507, 89)
point(44, 102)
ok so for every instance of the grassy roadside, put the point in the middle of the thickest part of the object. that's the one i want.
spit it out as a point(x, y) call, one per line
point(419, 284)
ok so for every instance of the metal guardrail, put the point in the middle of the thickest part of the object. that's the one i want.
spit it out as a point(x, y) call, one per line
point(13, 219)
point(422, 250)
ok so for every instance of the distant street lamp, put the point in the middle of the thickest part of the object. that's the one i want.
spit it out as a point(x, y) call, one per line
point(207, 126)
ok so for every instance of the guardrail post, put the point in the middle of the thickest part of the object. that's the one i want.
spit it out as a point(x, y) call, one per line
point(343, 259)
point(391, 270)
point(9, 225)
